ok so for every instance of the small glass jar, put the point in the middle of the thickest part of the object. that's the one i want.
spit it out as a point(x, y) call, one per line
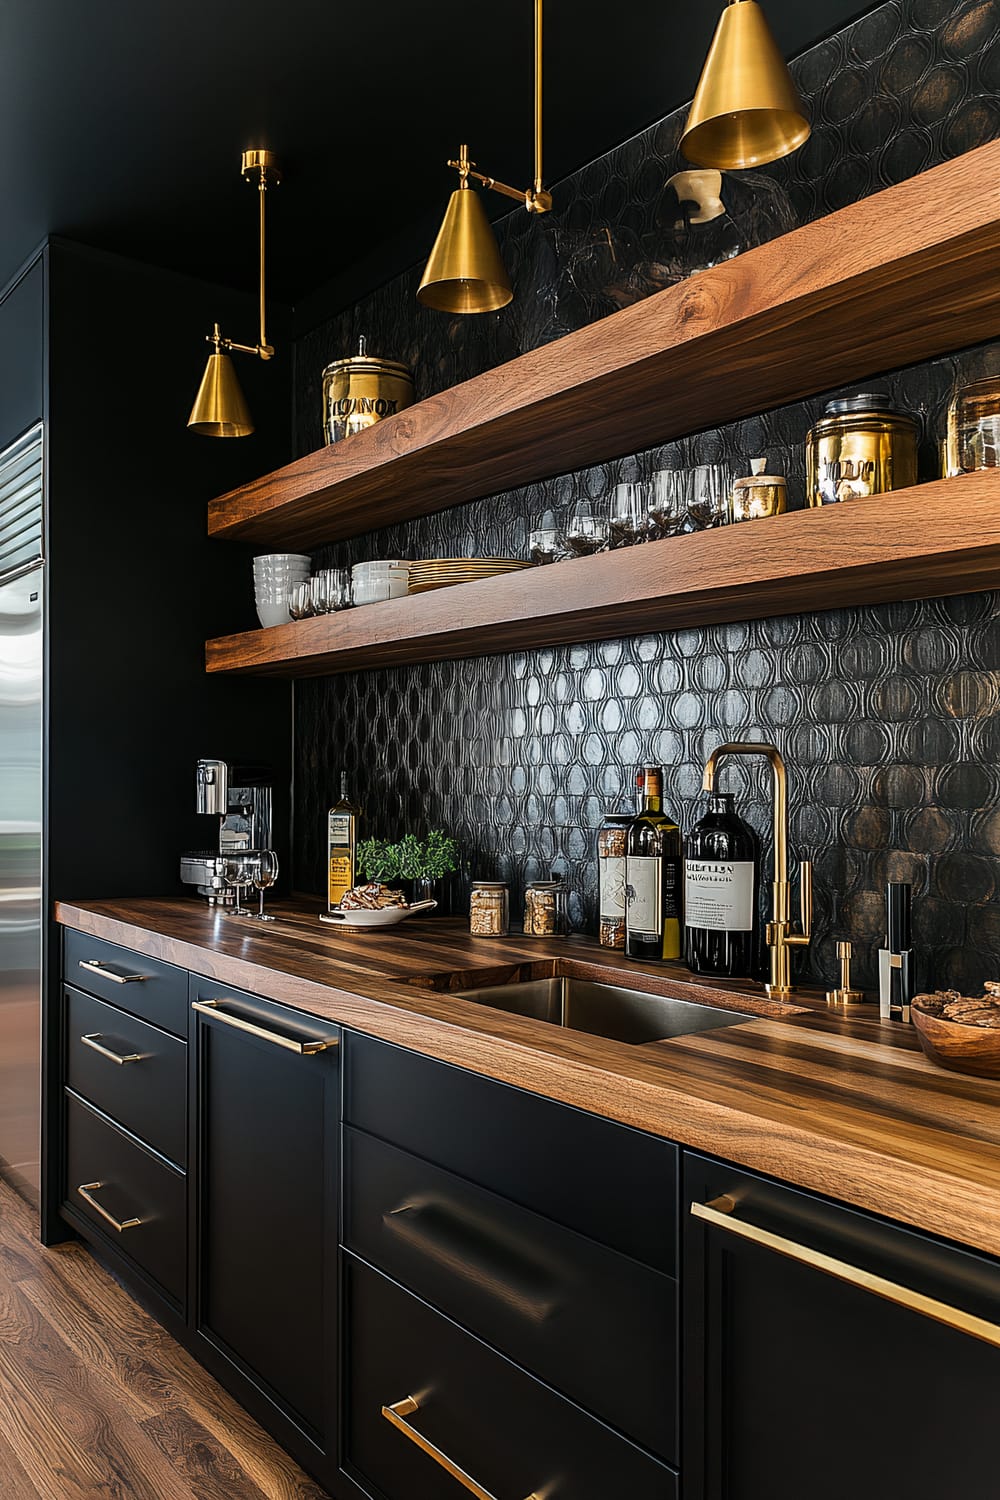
point(489, 909)
point(973, 440)
point(545, 908)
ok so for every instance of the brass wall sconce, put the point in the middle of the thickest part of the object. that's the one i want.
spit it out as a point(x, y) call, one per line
point(220, 408)
point(746, 109)
point(465, 273)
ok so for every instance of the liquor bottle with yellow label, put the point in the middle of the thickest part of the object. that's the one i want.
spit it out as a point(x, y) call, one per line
point(341, 845)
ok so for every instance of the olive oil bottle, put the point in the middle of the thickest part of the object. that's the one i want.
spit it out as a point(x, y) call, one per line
point(341, 846)
point(653, 878)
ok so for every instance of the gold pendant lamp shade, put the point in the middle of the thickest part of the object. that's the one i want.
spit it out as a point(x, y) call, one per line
point(465, 273)
point(746, 109)
point(220, 408)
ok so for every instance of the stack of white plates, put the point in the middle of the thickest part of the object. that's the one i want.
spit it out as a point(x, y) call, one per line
point(273, 577)
point(371, 582)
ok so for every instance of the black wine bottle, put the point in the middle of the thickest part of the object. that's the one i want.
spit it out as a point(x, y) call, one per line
point(653, 878)
point(721, 893)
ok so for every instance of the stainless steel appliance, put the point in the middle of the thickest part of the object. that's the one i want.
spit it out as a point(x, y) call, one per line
point(21, 691)
point(239, 796)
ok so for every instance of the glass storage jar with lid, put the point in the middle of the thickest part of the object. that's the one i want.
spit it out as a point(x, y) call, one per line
point(489, 909)
point(545, 908)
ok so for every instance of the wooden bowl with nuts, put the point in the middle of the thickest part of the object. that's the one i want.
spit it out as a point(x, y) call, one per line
point(960, 1032)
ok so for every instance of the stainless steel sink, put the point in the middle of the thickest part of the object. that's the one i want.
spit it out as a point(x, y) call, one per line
point(602, 1009)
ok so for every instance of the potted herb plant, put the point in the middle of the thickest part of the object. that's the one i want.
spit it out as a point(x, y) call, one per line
point(421, 861)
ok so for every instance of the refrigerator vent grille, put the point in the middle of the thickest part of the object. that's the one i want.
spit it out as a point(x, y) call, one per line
point(21, 503)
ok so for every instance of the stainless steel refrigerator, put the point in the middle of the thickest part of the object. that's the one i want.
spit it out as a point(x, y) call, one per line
point(21, 717)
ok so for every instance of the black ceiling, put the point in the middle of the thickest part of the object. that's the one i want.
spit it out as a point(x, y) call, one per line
point(124, 121)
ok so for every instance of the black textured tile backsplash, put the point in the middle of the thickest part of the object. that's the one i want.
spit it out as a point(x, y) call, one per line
point(889, 716)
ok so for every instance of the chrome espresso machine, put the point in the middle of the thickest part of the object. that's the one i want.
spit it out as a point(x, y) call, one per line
point(239, 796)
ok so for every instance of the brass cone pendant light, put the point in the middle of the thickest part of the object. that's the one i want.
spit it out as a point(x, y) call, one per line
point(220, 408)
point(465, 273)
point(746, 109)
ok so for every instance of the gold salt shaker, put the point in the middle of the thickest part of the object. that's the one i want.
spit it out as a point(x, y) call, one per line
point(759, 494)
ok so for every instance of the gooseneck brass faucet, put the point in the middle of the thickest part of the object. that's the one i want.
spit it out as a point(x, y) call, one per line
point(780, 937)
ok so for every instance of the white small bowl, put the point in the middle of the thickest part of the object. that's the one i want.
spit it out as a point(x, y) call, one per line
point(362, 569)
point(273, 613)
point(265, 558)
point(394, 585)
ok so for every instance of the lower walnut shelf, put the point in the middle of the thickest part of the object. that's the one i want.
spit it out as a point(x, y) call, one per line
point(932, 540)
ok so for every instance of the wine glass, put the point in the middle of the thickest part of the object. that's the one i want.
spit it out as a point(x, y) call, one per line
point(237, 866)
point(342, 591)
point(669, 500)
point(628, 514)
point(265, 873)
point(708, 504)
point(587, 529)
point(546, 543)
point(321, 591)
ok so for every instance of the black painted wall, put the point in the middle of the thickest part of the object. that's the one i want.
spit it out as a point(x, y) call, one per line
point(889, 717)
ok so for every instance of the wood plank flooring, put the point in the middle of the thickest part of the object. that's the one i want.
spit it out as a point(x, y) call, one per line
point(97, 1402)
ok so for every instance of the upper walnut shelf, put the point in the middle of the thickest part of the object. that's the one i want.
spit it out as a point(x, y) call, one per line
point(907, 274)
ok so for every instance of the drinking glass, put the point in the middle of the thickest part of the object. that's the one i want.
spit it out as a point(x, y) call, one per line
point(671, 491)
point(265, 873)
point(321, 592)
point(237, 870)
point(300, 605)
point(629, 521)
point(587, 529)
point(546, 543)
point(708, 502)
point(342, 588)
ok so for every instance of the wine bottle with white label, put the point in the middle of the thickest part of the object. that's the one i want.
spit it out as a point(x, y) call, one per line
point(721, 893)
point(653, 878)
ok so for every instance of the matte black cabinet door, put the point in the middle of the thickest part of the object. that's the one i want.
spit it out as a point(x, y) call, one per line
point(798, 1383)
point(267, 1150)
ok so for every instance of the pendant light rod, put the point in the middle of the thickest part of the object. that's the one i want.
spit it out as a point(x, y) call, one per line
point(538, 97)
point(262, 162)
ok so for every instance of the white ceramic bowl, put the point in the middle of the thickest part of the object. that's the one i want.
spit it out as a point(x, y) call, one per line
point(389, 916)
point(360, 570)
point(273, 613)
point(393, 585)
point(266, 558)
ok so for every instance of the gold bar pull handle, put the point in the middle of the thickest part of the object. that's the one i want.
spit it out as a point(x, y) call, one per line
point(397, 1414)
point(719, 1214)
point(95, 1041)
point(97, 966)
point(87, 1191)
point(290, 1044)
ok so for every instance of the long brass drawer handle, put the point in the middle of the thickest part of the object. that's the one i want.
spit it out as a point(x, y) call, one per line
point(93, 1040)
point(304, 1049)
point(87, 1191)
point(719, 1212)
point(462, 1248)
point(397, 1414)
point(98, 966)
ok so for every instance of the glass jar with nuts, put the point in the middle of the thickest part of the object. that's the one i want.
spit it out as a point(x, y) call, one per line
point(545, 908)
point(489, 909)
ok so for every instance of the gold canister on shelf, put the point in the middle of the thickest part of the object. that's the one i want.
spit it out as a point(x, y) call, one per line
point(860, 447)
point(758, 494)
point(361, 390)
point(973, 440)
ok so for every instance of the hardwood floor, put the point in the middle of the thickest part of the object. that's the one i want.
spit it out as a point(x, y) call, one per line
point(97, 1402)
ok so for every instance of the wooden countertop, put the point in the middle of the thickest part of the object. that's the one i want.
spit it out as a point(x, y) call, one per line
point(837, 1103)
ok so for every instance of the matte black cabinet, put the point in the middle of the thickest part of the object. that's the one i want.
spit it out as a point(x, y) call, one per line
point(267, 1084)
point(800, 1379)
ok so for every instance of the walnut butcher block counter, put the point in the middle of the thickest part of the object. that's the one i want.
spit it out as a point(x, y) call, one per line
point(835, 1103)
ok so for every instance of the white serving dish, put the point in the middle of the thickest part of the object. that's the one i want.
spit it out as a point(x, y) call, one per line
point(394, 584)
point(389, 916)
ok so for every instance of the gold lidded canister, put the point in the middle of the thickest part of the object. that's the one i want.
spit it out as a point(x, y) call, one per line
point(758, 494)
point(361, 390)
point(860, 447)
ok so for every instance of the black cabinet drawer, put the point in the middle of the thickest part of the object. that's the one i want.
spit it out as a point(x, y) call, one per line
point(134, 1072)
point(597, 1326)
point(134, 1189)
point(510, 1434)
point(146, 987)
point(610, 1183)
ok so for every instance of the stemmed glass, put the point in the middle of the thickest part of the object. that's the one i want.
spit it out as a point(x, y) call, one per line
point(238, 872)
point(587, 529)
point(300, 604)
point(669, 500)
point(708, 505)
point(546, 543)
point(628, 514)
point(265, 873)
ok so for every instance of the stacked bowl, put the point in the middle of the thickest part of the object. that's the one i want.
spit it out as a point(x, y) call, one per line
point(374, 581)
point(274, 576)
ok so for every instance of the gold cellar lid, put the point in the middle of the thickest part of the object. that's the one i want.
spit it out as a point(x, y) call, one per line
point(363, 363)
point(750, 481)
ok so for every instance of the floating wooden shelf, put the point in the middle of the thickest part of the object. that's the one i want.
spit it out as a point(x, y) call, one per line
point(936, 539)
point(904, 275)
